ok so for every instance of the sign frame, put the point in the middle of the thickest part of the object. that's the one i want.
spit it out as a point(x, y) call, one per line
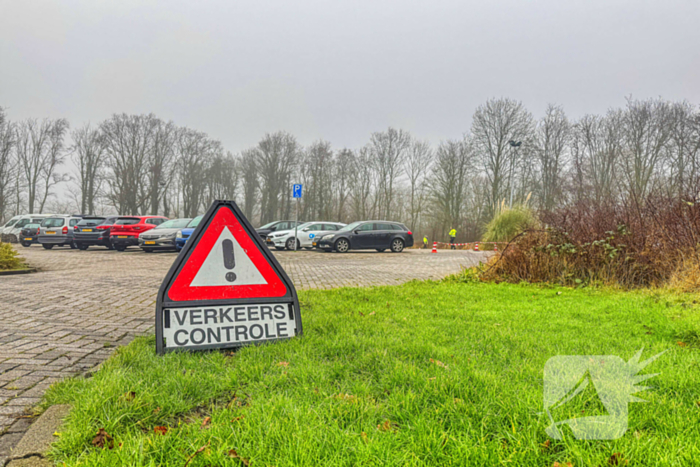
point(164, 302)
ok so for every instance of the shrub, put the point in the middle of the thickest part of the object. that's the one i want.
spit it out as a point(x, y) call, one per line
point(626, 244)
point(509, 222)
point(9, 259)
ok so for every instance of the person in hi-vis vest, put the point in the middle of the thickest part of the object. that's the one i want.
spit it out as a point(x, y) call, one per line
point(453, 236)
point(425, 242)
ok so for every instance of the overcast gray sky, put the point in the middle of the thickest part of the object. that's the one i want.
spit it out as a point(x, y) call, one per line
point(338, 69)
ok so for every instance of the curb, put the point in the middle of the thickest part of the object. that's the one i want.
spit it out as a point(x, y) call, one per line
point(37, 441)
point(12, 272)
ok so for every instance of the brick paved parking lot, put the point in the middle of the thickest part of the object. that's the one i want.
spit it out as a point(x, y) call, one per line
point(68, 317)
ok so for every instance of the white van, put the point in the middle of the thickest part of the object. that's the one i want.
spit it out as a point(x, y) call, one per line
point(11, 231)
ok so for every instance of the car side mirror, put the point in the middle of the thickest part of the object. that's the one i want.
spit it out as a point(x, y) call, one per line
point(356, 232)
point(305, 230)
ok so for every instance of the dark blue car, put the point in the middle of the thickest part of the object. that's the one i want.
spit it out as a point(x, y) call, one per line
point(185, 233)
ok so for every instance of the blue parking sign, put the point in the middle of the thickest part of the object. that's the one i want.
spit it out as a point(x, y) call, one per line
point(296, 190)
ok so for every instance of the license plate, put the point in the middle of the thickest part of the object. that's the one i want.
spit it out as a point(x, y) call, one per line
point(28, 239)
point(87, 230)
point(122, 236)
point(149, 243)
point(50, 232)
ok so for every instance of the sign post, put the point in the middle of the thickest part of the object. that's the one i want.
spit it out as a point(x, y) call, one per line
point(296, 193)
point(225, 289)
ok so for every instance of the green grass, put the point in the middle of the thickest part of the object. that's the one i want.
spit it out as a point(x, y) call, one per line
point(476, 403)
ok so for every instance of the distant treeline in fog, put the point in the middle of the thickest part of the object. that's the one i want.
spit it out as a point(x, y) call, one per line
point(141, 164)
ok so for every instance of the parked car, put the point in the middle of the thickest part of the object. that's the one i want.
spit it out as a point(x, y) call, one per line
point(163, 237)
point(276, 226)
point(12, 232)
point(305, 234)
point(58, 231)
point(94, 231)
point(183, 235)
point(29, 235)
point(365, 235)
point(126, 230)
point(10, 223)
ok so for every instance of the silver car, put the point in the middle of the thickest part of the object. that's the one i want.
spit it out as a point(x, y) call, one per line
point(58, 231)
point(162, 237)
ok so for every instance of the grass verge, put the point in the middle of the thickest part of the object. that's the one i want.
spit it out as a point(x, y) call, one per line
point(427, 373)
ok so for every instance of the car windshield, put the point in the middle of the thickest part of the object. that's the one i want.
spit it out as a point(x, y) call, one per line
point(194, 222)
point(349, 226)
point(267, 226)
point(11, 222)
point(128, 221)
point(174, 224)
point(31, 226)
point(53, 222)
point(22, 223)
point(91, 221)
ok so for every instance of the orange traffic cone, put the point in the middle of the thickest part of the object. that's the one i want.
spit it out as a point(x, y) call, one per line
point(476, 246)
point(495, 247)
point(434, 247)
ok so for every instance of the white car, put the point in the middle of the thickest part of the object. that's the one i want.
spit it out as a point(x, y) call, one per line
point(305, 234)
point(11, 231)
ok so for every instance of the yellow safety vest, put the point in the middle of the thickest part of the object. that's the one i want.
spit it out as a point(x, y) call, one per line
point(425, 239)
point(453, 233)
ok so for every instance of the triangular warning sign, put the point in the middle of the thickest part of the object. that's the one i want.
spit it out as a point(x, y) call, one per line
point(225, 263)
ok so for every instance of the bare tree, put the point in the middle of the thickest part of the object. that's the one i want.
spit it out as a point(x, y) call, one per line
point(317, 171)
point(344, 171)
point(249, 180)
point(223, 177)
point(449, 182)
point(160, 163)
point(684, 147)
point(363, 187)
point(40, 151)
point(553, 135)
point(495, 124)
point(277, 154)
point(596, 149)
point(417, 164)
point(388, 151)
point(128, 142)
point(646, 133)
point(8, 164)
point(195, 152)
point(89, 158)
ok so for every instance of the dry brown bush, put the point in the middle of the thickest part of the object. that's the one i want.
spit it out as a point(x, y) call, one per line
point(629, 244)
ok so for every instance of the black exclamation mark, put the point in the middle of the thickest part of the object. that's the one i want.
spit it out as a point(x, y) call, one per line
point(229, 260)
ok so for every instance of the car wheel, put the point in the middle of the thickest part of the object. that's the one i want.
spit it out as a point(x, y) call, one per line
point(397, 245)
point(83, 247)
point(342, 246)
point(120, 248)
point(381, 250)
point(289, 244)
point(147, 250)
point(25, 244)
point(47, 247)
point(73, 246)
point(109, 246)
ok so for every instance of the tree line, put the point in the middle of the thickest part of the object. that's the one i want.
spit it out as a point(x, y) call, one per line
point(141, 164)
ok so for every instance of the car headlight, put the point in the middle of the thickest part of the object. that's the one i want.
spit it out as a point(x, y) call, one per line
point(328, 237)
point(178, 234)
point(170, 235)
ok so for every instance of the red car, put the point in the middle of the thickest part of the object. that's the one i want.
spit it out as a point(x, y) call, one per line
point(126, 230)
